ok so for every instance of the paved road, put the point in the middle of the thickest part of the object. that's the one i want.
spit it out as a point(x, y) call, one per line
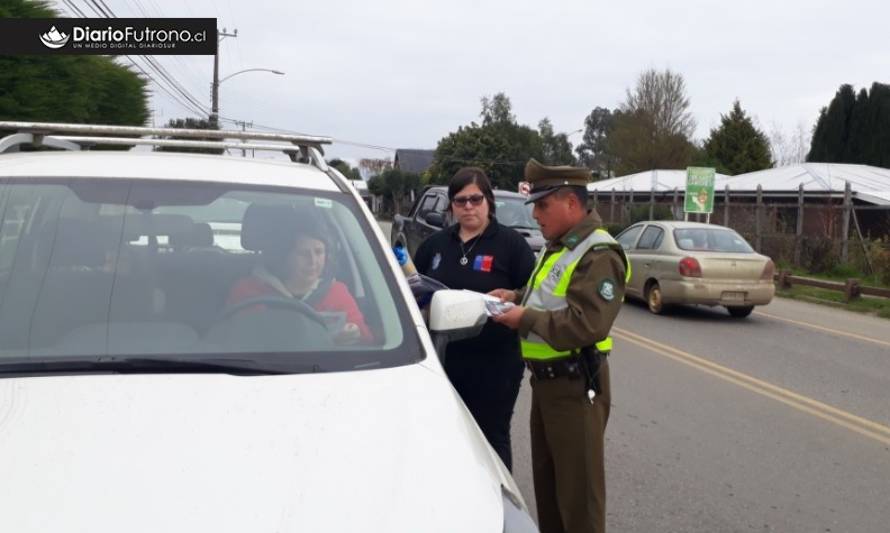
point(774, 423)
point(777, 422)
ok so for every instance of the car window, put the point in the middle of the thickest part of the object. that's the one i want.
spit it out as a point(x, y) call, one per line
point(427, 204)
point(711, 240)
point(131, 267)
point(514, 213)
point(629, 236)
point(441, 204)
point(651, 238)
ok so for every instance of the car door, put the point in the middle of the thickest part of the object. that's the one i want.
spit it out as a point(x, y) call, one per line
point(650, 260)
point(628, 240)
point(420, 228)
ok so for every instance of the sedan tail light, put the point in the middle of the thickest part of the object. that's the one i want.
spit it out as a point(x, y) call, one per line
point(769, 270)
point(689, 267)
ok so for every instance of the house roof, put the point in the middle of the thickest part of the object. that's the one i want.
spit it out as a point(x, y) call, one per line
point(410, 160)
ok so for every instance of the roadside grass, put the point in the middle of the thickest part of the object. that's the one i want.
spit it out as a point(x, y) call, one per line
point(864, 304)
point(839, 273)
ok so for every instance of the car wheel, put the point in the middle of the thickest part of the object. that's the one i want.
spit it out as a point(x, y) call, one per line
point(740, 312)
point(654, 299)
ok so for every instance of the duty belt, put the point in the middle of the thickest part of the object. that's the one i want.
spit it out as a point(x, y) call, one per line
point(569, 367)
point(584, 365)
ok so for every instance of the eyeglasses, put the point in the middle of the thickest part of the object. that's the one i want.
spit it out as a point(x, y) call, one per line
point(474, 199)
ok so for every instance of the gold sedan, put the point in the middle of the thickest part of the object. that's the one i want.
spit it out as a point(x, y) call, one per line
point(678, 262)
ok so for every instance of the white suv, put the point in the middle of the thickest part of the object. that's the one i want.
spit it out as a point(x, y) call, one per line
point(162, 370)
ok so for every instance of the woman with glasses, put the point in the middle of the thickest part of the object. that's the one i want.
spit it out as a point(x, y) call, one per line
point(479, 254)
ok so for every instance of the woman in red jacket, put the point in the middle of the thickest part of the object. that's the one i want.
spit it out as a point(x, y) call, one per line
point(299, 269)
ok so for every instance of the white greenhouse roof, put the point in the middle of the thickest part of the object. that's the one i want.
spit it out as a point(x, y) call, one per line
point(661, 180)
point(870, 184)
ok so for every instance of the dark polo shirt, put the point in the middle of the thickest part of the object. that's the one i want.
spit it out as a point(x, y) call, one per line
point(499, 258)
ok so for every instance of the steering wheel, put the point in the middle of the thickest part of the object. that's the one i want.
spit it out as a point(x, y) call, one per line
point(279, 302)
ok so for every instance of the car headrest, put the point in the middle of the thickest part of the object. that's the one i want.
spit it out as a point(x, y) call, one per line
point(137, 226)
point(197, 235)
point(267, 226)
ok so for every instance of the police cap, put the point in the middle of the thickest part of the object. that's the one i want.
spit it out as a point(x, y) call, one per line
point(546, 180)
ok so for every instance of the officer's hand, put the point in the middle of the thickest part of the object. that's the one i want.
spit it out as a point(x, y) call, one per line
point(506, 295)
point(510, 318)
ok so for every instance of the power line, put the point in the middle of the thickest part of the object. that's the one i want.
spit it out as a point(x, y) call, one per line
point(193, 103)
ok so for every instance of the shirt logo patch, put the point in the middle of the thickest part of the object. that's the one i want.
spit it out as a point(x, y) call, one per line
point(607, 290)
point(436, 260)
point(483, 263)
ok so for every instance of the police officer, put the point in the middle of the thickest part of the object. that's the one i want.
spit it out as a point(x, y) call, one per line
point(564, 316)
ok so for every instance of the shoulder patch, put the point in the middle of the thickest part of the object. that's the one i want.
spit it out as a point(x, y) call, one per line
point(606, 289)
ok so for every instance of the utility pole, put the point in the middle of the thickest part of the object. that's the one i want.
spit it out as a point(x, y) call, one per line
point(244, 125)
point(214, 110)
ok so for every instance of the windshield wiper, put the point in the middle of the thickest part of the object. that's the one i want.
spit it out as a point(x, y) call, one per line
point(141, 365)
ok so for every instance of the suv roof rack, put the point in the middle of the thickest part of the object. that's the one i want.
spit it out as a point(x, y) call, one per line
point(300, 148)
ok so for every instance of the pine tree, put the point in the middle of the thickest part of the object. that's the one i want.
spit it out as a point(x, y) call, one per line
point(832, 129)
point(737, 146)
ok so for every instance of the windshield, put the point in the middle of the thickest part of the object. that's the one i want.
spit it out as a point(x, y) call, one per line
point(515, 213)
point(711, 240)
point(175, 270)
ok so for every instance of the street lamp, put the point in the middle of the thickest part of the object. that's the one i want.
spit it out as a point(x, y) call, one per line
point(214, 110)
point(273, 71)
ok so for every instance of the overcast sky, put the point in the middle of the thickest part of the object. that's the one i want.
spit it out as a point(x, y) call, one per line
point(402, 74)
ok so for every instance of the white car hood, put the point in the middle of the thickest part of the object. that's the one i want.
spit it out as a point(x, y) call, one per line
point(382, 450)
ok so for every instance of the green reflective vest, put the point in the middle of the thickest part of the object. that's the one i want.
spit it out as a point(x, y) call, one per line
point(549, 283)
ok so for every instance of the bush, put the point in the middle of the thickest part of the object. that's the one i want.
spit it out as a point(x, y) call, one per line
point(641, 212)
point(881, 264)
point(818, 254)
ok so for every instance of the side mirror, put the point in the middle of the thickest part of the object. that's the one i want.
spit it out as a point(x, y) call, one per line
point(435, 219)
point(455, 315)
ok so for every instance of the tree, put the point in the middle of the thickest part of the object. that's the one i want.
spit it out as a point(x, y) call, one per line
point(789, 149)
point(499, 146)
point(190, 123)
point(73, 88)
point(394, 185)
point(854, 128)
point(737, 146)
point(557, 150)
point(350, 172)
point(652, 128)
point(497, 110)
point(662, 97)
point(374, 166)
point(833, 128)
point(593, 151)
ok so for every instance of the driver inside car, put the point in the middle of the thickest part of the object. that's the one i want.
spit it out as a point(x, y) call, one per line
point(295, 266)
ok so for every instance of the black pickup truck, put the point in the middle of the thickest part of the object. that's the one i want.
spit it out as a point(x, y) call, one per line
point(429, 214)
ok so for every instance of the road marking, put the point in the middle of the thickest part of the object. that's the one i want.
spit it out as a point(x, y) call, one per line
point(860, 425)
point(823, 328)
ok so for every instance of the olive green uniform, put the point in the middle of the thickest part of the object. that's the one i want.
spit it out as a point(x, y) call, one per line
point(567, 427)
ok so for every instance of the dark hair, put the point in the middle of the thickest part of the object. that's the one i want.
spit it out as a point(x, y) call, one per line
point(468, 176)
point(578, 191)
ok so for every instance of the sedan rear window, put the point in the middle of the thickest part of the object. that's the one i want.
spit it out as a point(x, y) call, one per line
point(711, 240)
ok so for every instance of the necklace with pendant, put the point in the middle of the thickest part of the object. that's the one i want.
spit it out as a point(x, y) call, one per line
point(463, 259)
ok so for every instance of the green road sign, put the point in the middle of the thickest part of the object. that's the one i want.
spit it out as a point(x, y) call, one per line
point(699, 190)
